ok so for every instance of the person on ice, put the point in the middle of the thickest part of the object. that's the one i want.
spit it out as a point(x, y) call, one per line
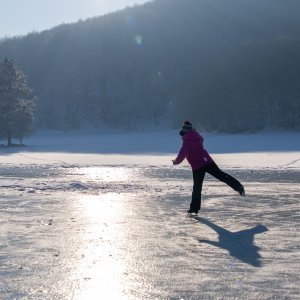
point(201, 162)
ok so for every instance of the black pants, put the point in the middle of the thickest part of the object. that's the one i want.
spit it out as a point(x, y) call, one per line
point(212, 169)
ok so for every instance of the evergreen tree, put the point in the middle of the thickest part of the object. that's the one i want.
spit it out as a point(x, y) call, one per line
point(17, 104)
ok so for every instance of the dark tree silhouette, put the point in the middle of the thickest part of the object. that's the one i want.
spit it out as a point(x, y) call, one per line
point(17, 104)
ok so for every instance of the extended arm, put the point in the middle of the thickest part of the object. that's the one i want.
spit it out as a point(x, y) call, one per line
point(182, 153)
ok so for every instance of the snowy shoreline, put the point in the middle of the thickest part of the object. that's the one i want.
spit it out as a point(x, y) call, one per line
point(277, 150)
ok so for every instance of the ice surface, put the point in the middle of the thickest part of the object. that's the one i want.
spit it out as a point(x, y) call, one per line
point(103, 216)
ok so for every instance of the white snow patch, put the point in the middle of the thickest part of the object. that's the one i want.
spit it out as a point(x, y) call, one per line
point(262, 150)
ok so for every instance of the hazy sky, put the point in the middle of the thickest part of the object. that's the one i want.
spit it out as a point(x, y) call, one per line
point(24, 16)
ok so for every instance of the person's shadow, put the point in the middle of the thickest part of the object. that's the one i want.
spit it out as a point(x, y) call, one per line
point(240, 244)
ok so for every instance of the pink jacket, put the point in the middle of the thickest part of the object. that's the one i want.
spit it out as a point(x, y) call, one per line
point(192, 149)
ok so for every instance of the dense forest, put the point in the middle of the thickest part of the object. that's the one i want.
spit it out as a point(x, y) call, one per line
point(227, 65)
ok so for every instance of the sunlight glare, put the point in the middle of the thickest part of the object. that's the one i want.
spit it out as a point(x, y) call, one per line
point(106, 174)
point(102, 269)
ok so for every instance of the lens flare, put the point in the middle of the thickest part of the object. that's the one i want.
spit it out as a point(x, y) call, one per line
point(138, 40)
point(130, 20)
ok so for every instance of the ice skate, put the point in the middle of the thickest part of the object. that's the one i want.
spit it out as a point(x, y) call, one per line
point(242, 191)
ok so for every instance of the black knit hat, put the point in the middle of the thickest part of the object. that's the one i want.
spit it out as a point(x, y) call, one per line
point(186, 127)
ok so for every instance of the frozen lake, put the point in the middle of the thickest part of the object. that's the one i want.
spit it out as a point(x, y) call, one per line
point(87, 226)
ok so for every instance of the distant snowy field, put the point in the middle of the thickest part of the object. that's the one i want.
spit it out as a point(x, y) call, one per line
point(102, 215)
point(254, 151)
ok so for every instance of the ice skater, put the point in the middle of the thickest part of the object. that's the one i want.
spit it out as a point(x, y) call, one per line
point(201, 162)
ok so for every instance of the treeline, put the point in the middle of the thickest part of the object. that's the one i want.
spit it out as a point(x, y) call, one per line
point(227, 65)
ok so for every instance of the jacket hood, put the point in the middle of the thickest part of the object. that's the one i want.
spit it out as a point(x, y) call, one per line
point(192, 135)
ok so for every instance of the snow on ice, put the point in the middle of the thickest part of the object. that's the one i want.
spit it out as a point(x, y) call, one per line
point(102, 215)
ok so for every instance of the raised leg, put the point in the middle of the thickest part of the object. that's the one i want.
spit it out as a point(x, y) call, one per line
point(215, 171)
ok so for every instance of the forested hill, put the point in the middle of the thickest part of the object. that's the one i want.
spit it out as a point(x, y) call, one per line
point(227, 65)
